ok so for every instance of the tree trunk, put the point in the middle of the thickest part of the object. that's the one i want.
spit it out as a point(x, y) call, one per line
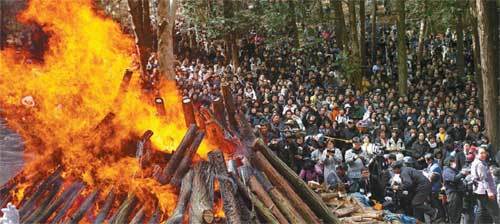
point(373, 39)
point(460, 38)
point(141, 24)
point(166, 19)
point(420, 46)
point(476, 54)
point(362, 34)
point(402, 67)
point(355, 52)
point(340, 29)
point(486, 12)
point(202, 195)
point(293, 23)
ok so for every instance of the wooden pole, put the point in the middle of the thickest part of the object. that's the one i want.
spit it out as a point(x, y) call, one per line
point(230, 203)
point(42, 218)
point(66, 205)
point(30, 217)
point(219, 111)
point(105, 208)
point(264, 211)
point(185, 163)
point(258, 189)
point(184, 196)
point(86, 205)
point(155, 218)
point(178, 154)
point(230, 107)
point(188, 108)
point(160, 106)
point(29, 205)
point(308, 195)
point(139, 216)
point(283, 185)
point(125, 209)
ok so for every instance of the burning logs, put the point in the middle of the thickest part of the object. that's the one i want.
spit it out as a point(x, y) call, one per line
point(188, 108)
point(105, 208)
point(185, 163)
point(75, 188)
point(84, 207)
point(139, 216)
point(184, 195)
point(125, 209)
point(66, 205)
point(46, 184)
point(178, 154)
point(226, 186)
point(30, 218)
point(311, 198)
point(202, 193)
point(160, 106)
point(219, 111)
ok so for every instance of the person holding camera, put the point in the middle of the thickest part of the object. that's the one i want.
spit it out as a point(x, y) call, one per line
point(330, 158)
point(484, 189)
point(454, 186)
point(419, 187)
point(356, 160)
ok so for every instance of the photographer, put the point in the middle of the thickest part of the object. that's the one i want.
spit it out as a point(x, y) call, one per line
point(330, 158)
point(356, 160)
point(455, 189)
point(419, 187)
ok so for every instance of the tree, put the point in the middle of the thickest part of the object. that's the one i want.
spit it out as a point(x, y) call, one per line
point(460, 37)
point(340, 29)
point(421, 37)
point(230, 37)
point(401, 48)
point(166, 23)
point(141, 24)
point(355, 52)
point(488, 40)
point(373, 39)
point(362, 34)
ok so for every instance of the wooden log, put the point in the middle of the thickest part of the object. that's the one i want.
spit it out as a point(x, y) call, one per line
point(308, 195)
point(178, 154)
point(188, 108)
point(46, 213)
point(343, 212)
point(160, 106)
point(66, 205)
point(230, 107)
point(281, 201)
point(139, 216)
point(155, 218)
point(264, 211)
point(105, 208)
point(264, 197)
point(219, 111)
point(187, 160)
point(247, 134)
point(143, 150)
point(184, 195)
point(202, 195)
point(123, 213)
point(84, 208)
point(226, 187)
point(30, 217)
point(44, 186)
point(279, 181)
point(122, 91)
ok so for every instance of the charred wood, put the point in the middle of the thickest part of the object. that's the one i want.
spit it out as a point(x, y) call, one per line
point(30, 217)
point(139, 216)
point(184, 195)
point(123, 213)
point(178, 154)
point(105, 208)
point(84, 207)
point(66, 205)
point(186, 161)
point(48, 211)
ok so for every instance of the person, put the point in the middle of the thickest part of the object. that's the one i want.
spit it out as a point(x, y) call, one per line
point(434, 172)
point(330, 158)
point(308, 172)
point(419, 187)
point(356, 160)
point(484, 189)
point(453, 180)
point(364, 183)
point(418, 150)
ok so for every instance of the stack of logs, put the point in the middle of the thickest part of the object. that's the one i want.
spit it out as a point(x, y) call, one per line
point(254, 185)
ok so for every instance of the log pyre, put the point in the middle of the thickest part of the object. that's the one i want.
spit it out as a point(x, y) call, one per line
point(251, 193)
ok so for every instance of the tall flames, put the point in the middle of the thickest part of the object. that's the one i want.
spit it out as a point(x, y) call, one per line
point(72, 90)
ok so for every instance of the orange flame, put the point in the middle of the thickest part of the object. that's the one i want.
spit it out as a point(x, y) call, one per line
point(73, 89)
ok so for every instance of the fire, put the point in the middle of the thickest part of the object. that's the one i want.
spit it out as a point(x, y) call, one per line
point(70, 92)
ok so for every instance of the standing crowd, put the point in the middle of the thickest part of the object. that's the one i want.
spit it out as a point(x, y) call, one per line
point(420, 154)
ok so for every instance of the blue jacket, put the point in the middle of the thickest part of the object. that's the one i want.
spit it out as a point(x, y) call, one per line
point(453, 180)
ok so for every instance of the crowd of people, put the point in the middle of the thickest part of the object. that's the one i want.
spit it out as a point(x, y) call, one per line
point(423, 153)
